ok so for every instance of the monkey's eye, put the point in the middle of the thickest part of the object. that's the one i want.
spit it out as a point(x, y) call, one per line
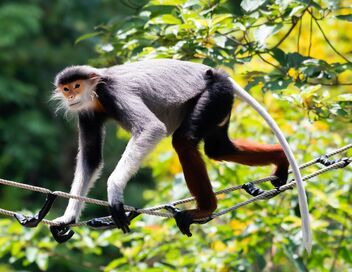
point(77, 86)
point(66, 89)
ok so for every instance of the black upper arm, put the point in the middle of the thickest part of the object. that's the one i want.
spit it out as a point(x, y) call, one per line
point(91, 139)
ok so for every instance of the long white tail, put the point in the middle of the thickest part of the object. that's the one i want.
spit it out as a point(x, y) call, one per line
point(302, 199)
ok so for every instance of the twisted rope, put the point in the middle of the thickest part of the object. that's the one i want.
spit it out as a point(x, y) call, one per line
point(292, 183)
point(153, 210)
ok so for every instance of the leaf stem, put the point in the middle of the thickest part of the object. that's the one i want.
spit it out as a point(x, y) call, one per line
point(299, 34)
point(327, 40)
point(310, 35)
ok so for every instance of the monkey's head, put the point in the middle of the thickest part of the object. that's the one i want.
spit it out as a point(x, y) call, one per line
point(75, 88)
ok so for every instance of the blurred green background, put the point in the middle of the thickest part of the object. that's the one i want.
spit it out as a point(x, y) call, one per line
point(293, 56)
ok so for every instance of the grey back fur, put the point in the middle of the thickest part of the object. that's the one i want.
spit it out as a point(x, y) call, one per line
point(163, 85)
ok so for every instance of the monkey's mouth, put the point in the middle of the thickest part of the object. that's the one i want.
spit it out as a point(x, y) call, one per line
point(74, 104)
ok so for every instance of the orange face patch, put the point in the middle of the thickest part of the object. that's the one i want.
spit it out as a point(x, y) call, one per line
point(73, 89)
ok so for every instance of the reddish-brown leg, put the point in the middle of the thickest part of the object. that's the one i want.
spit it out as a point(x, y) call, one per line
point(197, 181)
point(249, 153)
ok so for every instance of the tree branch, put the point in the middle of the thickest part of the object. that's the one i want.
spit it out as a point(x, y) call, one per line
point(286, 35)
point(330, 84)
point(310, 35)
point(299, 34)
point(327, 40)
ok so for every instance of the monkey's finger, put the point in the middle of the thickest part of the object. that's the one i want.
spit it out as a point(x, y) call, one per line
point(184, 228)
point(187, 231)
point(282, 174)
point(132, 215)
point(125, 229)
point(123, 226)
point(119, 217)
point(184, 220)
point(27, 221)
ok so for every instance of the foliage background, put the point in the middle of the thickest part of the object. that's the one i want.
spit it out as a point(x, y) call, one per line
point(293, 56)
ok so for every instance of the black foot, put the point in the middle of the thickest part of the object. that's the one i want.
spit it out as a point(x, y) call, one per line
point(251, 189)
point(33, 221)
point(119, 217)
point(183, 219)
point(61, 233)
point(282, 176)
point(103, 223)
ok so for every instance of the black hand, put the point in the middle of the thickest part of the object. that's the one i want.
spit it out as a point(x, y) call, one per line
point(119, 216)
point(33, 221)
point(61, 233)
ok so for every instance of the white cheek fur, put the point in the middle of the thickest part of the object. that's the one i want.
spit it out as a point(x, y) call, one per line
point(85, 101)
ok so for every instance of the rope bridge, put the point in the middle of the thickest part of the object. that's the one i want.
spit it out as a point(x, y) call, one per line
point(329, 165)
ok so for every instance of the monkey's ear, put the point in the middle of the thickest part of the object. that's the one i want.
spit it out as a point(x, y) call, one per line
point(94, 77)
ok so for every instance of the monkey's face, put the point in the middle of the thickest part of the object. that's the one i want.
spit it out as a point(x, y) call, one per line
point(77, 95)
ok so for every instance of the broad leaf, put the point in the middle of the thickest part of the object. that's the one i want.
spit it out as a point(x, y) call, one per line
point(250, 5)
point(166, 2)
point(264, 32)
point(347, 17)
point(166, 19)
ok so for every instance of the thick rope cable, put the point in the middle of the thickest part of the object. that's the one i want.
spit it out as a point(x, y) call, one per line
point(153, 210)
point(258, 181)
point(80, 198)
point(288, 186)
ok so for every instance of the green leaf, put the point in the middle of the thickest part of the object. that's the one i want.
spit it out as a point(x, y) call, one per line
point(265, 31)
point(279, 55)
point(250, 5)
point(346, 254)
point(296, 10)
point(341, 113)
point(345, 97)
point(311, 3)
point(220, 40)
point(31, 253)
point(219, 18)
point(254, 82)
point(347, 17)
point(167, 19)
point(209, 62)
point(191, 3)
point(295, 59)
point(87, 36)
point(341, 67)
point(42, 261)
point(166, 2)
point(115, 263)
point(277, 84)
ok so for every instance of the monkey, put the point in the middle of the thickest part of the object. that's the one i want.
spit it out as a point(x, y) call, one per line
point(153, 99)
